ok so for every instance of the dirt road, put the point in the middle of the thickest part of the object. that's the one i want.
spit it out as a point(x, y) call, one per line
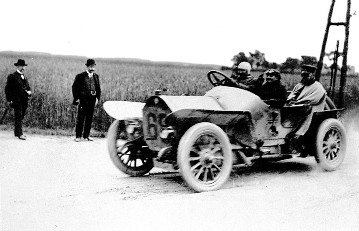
point(54, 183)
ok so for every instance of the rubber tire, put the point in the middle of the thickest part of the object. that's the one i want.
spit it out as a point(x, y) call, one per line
point(185, 146)
point(116, 160)
point(325, 126)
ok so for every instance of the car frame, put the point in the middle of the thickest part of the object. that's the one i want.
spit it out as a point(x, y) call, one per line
point(205, 136)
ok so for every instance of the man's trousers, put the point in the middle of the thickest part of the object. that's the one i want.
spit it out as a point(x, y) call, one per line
point(19, 113)
point(84, 117)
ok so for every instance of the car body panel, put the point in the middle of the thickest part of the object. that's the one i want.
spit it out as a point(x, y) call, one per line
point(236, 99)
point(124, 110)
point(176, 103)
point(220, 118)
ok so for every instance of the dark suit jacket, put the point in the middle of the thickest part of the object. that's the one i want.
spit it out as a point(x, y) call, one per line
point(16, 87)
point(79, 85)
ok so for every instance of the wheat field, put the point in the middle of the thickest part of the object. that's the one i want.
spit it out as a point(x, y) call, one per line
point(51, 78)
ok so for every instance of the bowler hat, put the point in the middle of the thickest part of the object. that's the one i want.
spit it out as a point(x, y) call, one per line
point(20, 62)
point(90, 62)
point(309, 68)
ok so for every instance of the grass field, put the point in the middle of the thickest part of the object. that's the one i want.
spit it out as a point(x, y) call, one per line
point(51, 78)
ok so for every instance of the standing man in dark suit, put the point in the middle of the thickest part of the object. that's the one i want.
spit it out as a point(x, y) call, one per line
point(86, 92)
point(17, 91)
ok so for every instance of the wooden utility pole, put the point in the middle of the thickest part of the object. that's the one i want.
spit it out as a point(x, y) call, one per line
point(345, 50)
point(334, 69)
point(322, 52)
point(343, 73)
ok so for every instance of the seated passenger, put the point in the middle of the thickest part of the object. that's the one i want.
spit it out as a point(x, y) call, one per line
point(308, 91)
point(272, 88)
point(242, 78)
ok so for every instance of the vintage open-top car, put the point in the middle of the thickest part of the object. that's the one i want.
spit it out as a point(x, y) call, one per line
point(204, 136)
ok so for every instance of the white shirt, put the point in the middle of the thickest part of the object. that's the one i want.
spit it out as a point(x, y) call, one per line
point(22, 74)
point(90, 74)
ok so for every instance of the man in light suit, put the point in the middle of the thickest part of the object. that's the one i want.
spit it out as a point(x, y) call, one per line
point(17, 91)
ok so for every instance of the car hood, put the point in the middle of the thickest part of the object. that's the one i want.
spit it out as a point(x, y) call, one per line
point(236, 99)
point(220, 98)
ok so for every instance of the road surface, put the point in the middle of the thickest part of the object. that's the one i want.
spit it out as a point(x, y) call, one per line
point(54, 183)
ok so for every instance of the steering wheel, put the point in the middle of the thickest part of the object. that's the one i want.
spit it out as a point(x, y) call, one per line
point(217, 78)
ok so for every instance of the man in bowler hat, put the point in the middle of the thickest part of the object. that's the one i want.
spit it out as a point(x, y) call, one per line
point(17, 91)
point(86, 91)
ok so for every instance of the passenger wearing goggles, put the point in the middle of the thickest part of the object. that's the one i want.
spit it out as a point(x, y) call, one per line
point(272, 88)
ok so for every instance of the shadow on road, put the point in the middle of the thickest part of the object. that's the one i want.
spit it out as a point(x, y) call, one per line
point(170, 183)
point(276, 168)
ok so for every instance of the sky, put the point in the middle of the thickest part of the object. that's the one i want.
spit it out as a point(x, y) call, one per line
point(192, 31)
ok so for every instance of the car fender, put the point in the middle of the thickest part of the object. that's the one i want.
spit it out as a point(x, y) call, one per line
point(124, 110)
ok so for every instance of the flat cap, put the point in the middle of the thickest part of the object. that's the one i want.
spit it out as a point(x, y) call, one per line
point(308, 68)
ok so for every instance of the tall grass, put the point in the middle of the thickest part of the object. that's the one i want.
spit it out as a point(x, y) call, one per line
point(51, 78)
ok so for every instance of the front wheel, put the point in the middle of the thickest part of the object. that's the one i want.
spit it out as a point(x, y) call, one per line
point(205, 157)
point(130, 157)
point(330, 144)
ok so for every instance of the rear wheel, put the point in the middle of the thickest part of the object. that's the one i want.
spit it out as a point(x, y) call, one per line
point(128, 156)
point(205, 157)
point(330, 144)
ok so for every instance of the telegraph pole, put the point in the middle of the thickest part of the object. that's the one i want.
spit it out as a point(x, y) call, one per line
point(322, 52)
point(345, 50)
point(343, 74)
